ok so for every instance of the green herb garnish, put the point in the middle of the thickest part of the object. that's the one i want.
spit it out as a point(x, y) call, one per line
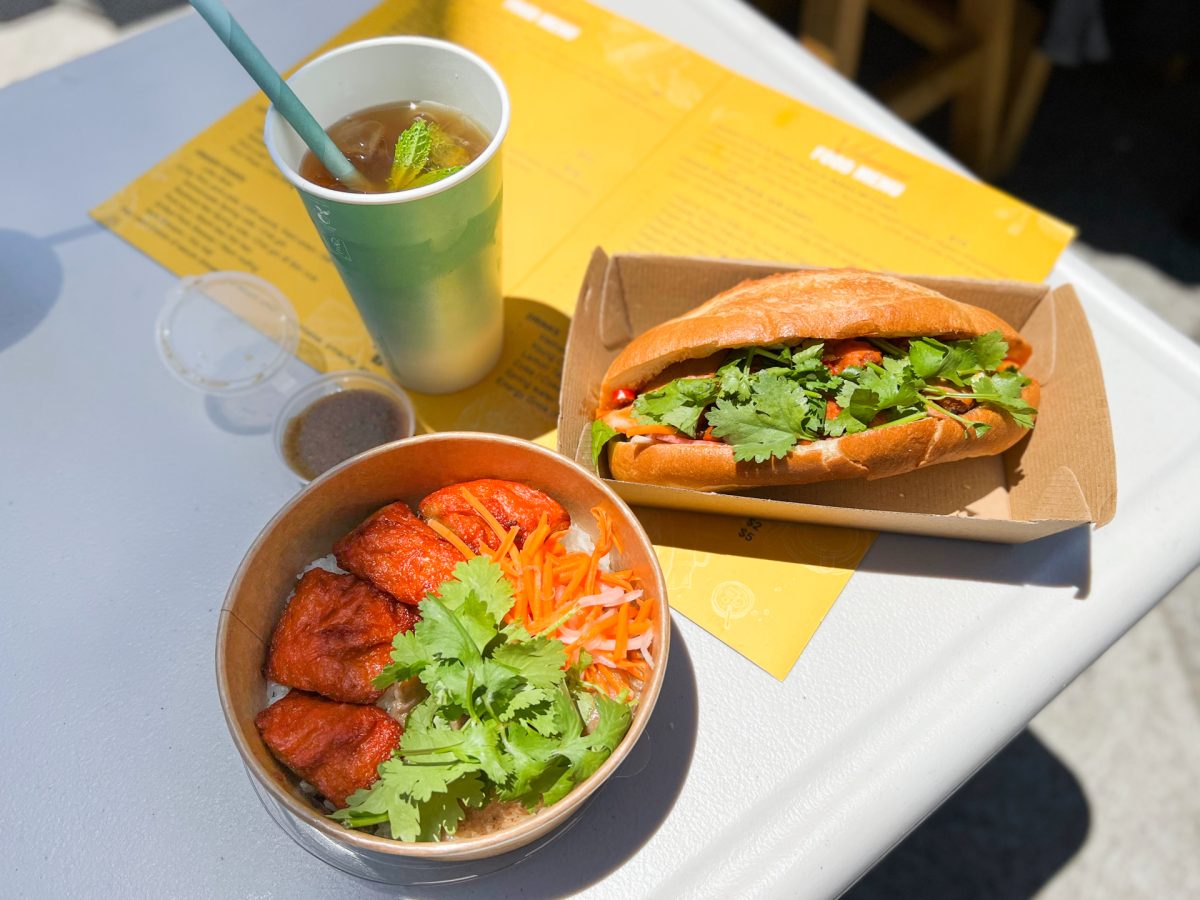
point(433, 175)
point(504, 719)
point(425, 154)
point(412, 153)
point(765, 400)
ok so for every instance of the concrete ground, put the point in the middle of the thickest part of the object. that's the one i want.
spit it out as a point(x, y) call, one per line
point(1100, 797)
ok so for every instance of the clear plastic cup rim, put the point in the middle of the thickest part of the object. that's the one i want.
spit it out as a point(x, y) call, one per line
point(271, 305)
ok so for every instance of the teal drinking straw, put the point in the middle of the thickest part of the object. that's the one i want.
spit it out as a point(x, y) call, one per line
point(225, 26)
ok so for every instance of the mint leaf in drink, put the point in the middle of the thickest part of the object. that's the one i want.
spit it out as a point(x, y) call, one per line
point(444, 151)
point(433, 175)
point(412, 152)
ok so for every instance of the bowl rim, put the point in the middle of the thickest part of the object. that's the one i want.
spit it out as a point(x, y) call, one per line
point(512, 836)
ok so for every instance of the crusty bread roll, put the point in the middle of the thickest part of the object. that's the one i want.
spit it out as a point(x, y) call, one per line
point(786, 309)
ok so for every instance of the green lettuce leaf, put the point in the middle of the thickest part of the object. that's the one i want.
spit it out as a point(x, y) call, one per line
point(602, 433)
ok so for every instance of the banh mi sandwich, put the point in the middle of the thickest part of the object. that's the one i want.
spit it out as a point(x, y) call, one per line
point(813, 376)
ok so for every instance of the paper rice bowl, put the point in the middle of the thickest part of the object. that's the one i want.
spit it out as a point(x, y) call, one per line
point(305, 530)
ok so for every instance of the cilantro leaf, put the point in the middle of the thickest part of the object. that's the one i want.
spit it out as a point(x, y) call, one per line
point(679, 403)
point(529, 752)
point(612, 722)
point(539, 660)
point(893, 385)
point(480, 744)
point(1003, 390)
point(449, 636)
point(446, 682)
point(412, 152)
point(602, 433)
point(385, 800)
point(808, 360)
point(482, 579)
point(927, 356)
point(735, 379)
point(409, 657)
point(754, 437)
point(844, 423)
point(776, 417)
point(990, 350)
point(427, 736)
point(525, 702)
point(443, 812)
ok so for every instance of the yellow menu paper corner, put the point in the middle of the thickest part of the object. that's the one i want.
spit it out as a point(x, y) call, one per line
point(621, 138)
point(762, 587)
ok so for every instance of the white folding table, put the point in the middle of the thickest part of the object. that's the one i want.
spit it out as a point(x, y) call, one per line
point(124, 509)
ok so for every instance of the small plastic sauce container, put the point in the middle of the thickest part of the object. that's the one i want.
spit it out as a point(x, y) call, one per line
point(337, 416)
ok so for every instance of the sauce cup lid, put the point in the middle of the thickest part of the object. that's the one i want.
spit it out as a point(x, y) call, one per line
point(226, 332)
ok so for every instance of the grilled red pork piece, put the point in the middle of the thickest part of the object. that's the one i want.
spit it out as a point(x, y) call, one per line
point(510, 502)
point(398, 553)
point(335, 747)
point(335, 636)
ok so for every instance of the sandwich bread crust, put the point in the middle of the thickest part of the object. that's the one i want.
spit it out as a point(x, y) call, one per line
point(786, 309)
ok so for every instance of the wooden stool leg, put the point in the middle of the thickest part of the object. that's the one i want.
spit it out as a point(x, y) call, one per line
point(1027, 97)
point(977, 112)
point(838, 25)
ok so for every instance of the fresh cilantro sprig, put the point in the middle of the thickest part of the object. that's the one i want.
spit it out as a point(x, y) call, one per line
point(505, 718)
point(765, 400)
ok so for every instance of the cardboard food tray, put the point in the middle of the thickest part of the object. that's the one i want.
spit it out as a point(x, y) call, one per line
point(1062, 476)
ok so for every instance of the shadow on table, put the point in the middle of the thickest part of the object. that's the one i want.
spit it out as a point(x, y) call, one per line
point(254, 411)
point(31, 278)
point(1060, 560)
point(620, 818)
point(1004, 834)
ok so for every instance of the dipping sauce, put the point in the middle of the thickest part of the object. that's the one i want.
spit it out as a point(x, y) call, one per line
point(338, 426)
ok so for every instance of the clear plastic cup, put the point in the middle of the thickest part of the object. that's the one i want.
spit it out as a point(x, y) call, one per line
point(303, 400)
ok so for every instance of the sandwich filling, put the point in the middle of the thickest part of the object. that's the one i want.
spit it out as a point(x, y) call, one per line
point(765, 401)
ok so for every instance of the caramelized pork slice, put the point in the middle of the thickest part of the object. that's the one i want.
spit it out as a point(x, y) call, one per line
point(335, 747)
point(510, 502)
point(398, 553)
point(335, 636)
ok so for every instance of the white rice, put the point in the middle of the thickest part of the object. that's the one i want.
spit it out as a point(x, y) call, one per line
point(275, 691)
point(578, 540)
point(328, 563)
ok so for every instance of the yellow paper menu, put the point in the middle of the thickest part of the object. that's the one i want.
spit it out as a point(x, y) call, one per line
point(619, 138)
